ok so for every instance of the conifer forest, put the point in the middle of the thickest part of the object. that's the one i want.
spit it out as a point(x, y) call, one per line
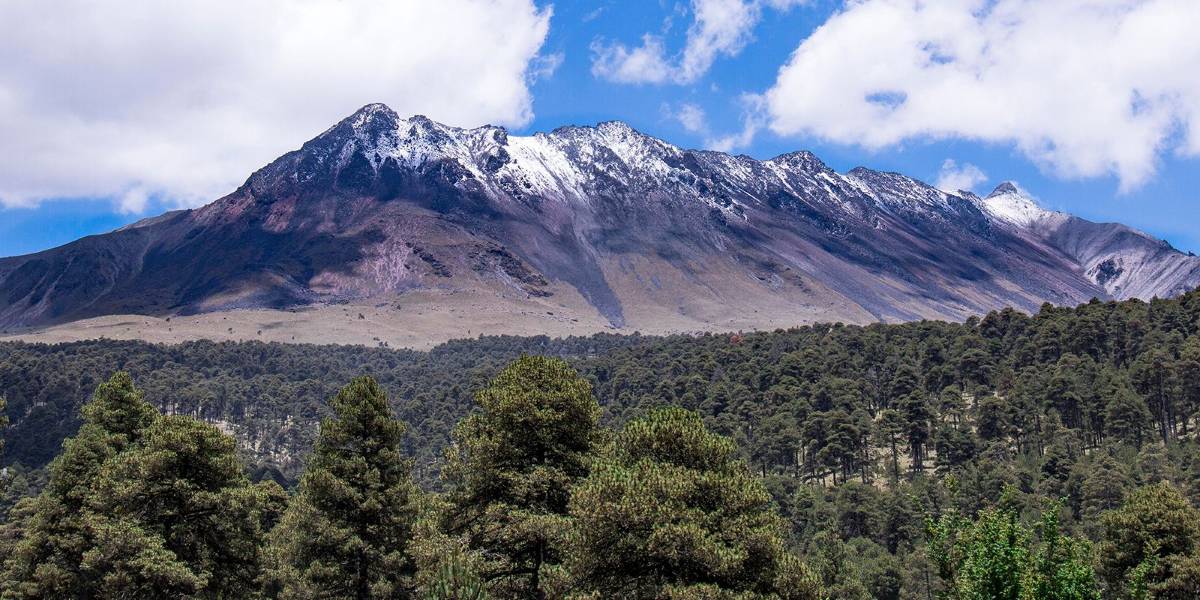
point(1052, 456)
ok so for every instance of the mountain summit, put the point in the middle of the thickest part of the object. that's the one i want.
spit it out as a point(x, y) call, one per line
point(583, 223)
point(1011, 204)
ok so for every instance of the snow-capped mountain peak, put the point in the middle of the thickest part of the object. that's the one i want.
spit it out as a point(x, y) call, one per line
point(1006, 187)
point(1011, 204)
point(605, 221)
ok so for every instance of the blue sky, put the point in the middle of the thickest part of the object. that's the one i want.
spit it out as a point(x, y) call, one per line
point(702, 84)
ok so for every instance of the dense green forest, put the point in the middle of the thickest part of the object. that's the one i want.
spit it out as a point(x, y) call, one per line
point(1012, 456)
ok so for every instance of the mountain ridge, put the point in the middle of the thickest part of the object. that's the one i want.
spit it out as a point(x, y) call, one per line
point(603, 216)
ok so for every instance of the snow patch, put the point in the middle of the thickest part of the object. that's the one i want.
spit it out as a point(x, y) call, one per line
point(1011, 204)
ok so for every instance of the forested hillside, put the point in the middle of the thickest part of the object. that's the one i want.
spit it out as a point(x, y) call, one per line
point(269, 395)
point(860, 435)
point(810, 402)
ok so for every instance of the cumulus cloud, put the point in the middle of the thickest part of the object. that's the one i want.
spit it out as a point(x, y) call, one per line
point(719, 27)
point(954, 177)
point(1083, 87)
point(181, 100)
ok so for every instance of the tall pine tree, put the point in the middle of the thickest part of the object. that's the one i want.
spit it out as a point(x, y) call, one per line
point(1146, 536)
point(176, 516)
point(3, 424)
point(345, 533)
point(145, 506)
point(48, 562)
point(511, 469)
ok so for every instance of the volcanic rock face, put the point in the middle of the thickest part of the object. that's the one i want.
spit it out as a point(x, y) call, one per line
point(379, 205)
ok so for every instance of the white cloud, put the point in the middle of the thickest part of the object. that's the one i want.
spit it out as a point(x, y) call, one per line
point(1083, 87)
point(692, 117)
point(544, 66)
point(953, 177)
point(134, 200)
point(181, 100)
point(753, 119)
point(646, 63)
point(719, 27)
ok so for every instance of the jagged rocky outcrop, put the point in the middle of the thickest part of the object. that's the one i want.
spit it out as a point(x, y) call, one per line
point(380, 205)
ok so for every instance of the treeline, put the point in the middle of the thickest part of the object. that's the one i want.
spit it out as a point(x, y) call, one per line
point(857, 433)
point(270, 396)
point(814, 402)
point(540, 502)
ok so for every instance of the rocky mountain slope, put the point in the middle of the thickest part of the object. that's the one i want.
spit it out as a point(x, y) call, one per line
point(1126, 262)
point(601, 222)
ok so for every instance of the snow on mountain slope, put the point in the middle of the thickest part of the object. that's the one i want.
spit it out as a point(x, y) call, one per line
point(1126, 262)
point(600, 218)
point(1123, 260)
point(1011, 204)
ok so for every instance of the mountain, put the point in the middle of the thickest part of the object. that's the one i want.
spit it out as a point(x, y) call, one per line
point(1124, 261)
point(601, 225)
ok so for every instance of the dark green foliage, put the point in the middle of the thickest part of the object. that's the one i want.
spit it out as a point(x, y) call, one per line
point(176, 516)
point(345, 533)
point(3, 424)
point(510, 471)
point(1103, 488)
point(3, 477)
point(854, 430)
point(49, 559)
point(669, 511)
point(805, 401)
point(273, 394)
point(456, 581)
point(142, 505)
point(1152, 542)
point(1126, 417)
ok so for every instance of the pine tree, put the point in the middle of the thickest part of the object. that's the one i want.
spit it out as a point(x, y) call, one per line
point(669, 511)
point(3, 479)
point(455, 581)
point(1189, 363)
point(511, 469)
point(176, 516)
point(1154, 526)
point(1153, 377)
point(1102, 490)
point(48, 562)
point(914, 408)
point(8, 526)
point(1126, 416)
point(12, 531)
point(346, 532)
point(993, 419)
point(144, 506)
point(889, 430)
